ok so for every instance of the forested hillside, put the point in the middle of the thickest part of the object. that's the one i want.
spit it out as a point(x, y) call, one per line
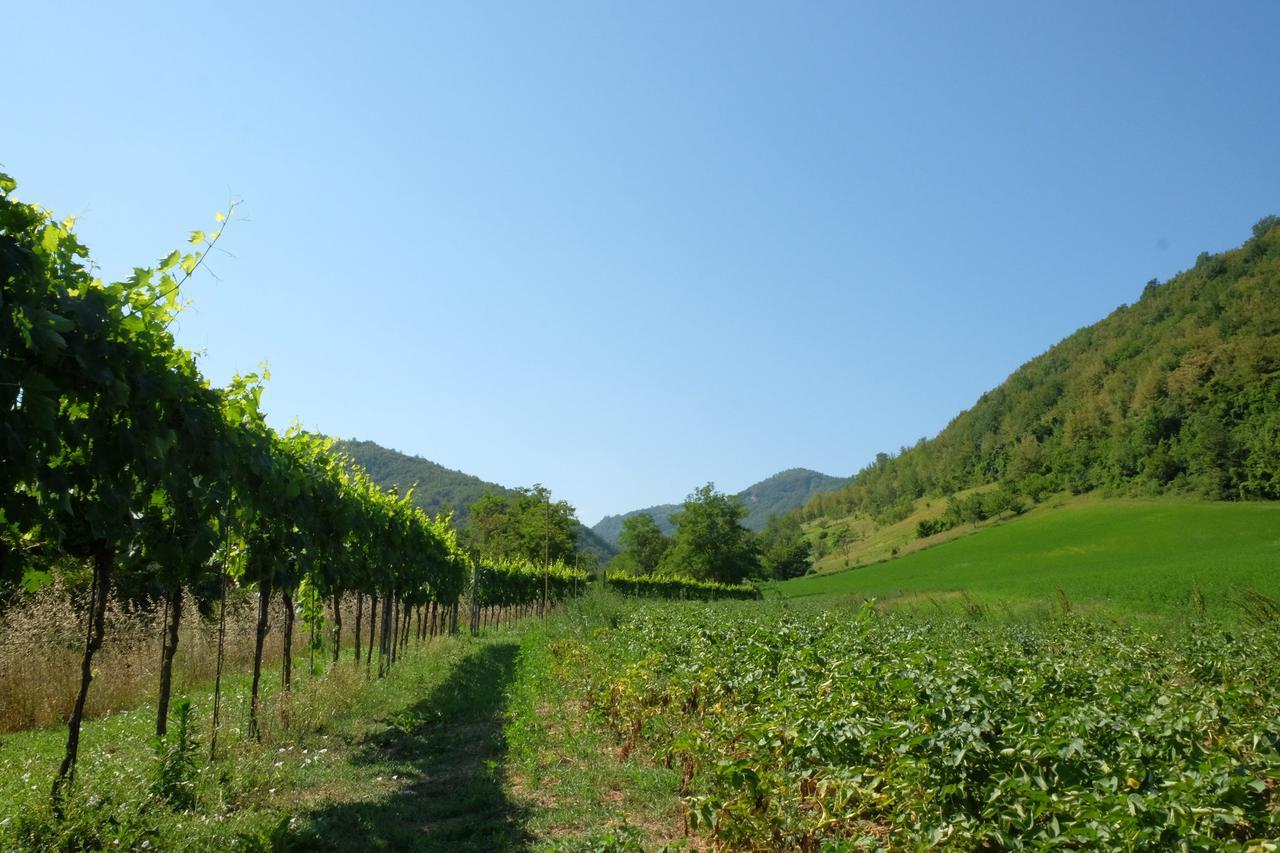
point(774, 495)
point(783, 492)
point(609, 528)
point(436, 487)
point(1179, 392)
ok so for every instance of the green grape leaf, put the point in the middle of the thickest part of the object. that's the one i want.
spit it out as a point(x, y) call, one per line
point(33, 580)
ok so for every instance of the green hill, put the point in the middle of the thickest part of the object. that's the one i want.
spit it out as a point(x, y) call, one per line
point(783, 492)
point(437, 487)
point(1132, 556)
point(1178, 393)
point(609, 528)
point(774, 495)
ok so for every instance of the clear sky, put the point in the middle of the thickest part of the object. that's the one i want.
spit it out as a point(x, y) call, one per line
point(622, 249)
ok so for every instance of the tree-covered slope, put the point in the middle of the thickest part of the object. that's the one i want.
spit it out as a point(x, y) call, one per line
point(609, 528)
point(783, 492)
point(437, 488)
point(1179, 392)
point(774, 495)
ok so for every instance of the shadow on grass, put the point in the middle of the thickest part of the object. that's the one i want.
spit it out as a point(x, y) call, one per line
point(451, 747)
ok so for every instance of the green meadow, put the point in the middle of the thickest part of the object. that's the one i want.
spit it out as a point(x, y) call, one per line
point(1125, 557)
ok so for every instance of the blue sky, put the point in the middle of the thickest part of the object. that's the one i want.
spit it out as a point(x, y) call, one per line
point(624, 249)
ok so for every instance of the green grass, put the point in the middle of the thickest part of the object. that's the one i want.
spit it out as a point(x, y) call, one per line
point(1125, 557)
point(470, 744)
point(588, 795)
point(412, 760)
point(447, 753)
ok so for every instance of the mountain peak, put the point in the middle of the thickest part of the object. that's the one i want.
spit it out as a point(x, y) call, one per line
point(774, 495)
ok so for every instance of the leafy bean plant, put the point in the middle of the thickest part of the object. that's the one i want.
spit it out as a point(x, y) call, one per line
point(849, 730)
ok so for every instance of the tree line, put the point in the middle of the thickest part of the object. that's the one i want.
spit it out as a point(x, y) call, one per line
point(710, 544)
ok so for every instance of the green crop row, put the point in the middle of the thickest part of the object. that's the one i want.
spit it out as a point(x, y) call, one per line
point(512, 583)
point(843, 730)
point(680, 587)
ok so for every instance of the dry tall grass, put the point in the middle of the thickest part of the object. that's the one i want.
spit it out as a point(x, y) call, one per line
point(42, 641)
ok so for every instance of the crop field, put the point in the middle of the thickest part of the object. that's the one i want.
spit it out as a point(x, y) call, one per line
point(828, 729)
point(622, 724)
point(1120, 557)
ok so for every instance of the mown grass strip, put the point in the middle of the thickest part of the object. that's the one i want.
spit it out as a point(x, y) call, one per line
point(1121, 557)
point(582, 792)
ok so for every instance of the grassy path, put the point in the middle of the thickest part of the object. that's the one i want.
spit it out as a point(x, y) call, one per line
point(448, 752)
point(413, 761)
point(468, 745)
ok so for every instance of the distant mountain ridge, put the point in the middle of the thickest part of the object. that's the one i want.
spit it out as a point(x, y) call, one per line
point(774, 495)
point(436, 487)
point(609, 528)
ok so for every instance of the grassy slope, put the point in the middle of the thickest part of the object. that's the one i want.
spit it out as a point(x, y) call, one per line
point(868, 542)
point(1124, 556)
